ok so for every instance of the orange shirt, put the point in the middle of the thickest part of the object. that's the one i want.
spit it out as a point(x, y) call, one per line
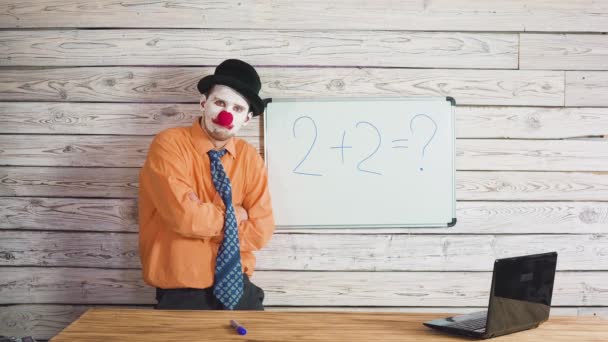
point(179, 237)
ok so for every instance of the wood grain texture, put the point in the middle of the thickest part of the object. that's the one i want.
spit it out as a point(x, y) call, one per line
point(96, 118)
point(455, 15)
point(74, 150)
point(150, 118)
point(152, 325)
point(518, 186)
point(69, 214)
point(106, 118)
point(178, 84)
point(530, 122)
point(471, 154)
point(120, 215)
point(38, 321)
point(69, 182)
point(47, 320)
point(38, 285)
point(259, 47)
point(327, 252)
point(532, 155)
point(587, 88)
point(470, 185)
point(563, 51)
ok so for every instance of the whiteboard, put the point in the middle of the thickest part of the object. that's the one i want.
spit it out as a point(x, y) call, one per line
point(344, 163)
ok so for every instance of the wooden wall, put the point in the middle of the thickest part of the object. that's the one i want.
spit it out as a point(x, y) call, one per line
point(85, 85)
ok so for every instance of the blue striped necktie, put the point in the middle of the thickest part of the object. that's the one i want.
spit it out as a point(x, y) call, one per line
point(228, 284)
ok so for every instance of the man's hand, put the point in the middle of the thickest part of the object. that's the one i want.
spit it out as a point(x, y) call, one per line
point(194, 198)
point(241, 214)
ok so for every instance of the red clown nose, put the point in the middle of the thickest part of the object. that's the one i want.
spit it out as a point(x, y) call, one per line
point(224, 119)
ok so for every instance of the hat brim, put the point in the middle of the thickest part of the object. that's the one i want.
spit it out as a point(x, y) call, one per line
point(255, 102)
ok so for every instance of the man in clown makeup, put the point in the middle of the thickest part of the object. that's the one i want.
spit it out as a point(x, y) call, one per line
point(204, 202)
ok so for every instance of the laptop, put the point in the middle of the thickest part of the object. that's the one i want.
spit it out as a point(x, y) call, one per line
point(520, 299)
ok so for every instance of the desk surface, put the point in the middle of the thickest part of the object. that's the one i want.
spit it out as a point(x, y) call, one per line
point(155, 325)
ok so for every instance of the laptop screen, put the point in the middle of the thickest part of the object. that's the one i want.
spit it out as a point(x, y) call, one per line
point(522, 291)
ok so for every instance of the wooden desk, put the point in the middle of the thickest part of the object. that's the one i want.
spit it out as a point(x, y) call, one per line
point(166, 326)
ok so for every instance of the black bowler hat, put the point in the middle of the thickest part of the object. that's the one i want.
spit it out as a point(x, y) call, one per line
point(239, 76)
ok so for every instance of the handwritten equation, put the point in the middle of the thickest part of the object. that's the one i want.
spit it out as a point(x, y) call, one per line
point(305, 129)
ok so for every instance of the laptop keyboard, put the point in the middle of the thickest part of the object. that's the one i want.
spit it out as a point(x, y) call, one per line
point(473, 322)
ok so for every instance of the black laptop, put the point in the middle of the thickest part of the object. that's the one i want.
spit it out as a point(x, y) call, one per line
point(520, 299)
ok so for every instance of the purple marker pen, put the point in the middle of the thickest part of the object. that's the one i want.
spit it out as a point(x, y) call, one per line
point(239, 328)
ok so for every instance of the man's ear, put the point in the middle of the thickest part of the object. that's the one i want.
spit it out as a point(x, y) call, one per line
point(248, 118)
point(203, 101)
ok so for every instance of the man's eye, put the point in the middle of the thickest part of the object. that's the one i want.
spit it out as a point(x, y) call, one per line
point(238, 109)
point(219, 103)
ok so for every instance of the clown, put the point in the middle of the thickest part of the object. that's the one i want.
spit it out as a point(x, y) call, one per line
point(204, 202)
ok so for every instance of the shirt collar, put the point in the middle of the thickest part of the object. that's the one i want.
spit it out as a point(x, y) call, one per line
point(202, 141)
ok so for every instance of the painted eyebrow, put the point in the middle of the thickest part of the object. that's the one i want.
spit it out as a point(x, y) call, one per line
point(221, 99)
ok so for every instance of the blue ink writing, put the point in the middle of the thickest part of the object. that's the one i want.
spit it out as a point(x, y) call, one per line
point(295, 170)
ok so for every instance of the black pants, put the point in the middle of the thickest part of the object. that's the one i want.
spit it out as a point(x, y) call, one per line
point(203, 299)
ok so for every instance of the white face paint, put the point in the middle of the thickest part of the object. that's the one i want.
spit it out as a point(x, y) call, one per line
point(223, 98)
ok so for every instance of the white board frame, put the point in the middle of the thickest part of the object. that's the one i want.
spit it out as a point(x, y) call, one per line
point(405, 225)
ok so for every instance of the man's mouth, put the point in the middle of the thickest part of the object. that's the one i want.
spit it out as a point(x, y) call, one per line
point(224, 119)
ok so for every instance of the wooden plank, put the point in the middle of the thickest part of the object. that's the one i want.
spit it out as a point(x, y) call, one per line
point(151, 118)
point(532, 155)
point(37, 285)
point(259, 47)
point(105, 118)
point(329, 252)
point(38, 321)
point(171, 84)
point(470, 185)
point(471, 154)
point(563, 51)
point(74, 150)
point(586, 88)
point(456, 15)
point(117, 215)
point(120, 215)
point(530, 186)
point(46, 321)
point(69, 182)
point(158, 326)
point(530, 122)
